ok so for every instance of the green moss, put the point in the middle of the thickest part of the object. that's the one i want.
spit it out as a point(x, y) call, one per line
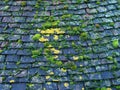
point(37, 5)
point(115, 62)
point(18, 63)
point(46, 25)
point(44, 68)
point(6, 7)
point(51, 18)
point(94, 41)
point(56, 23)
point(39, 1)
point(59, 63)
point(115, 54)
point(114, 67)
point(84, 35)
point(19, 41)
point(98, 2)
point(79, 1)
point(30, 85)
point(97, 25)
point(1, 51)
point(3, 78)
point(62, 0)
point(65, 7)
point(74, 67)
point(112, 24)
point(103, 88)
point(86, 1)
point(36, 53)
point(36, 16)
point(110, 58)
point(97, 89)
point(6, 1)
point(71, 65)
point(36, 37)
point(50, 24)
point(81, 57)
point(117, 87)
point(115, 43)
point(66, 16)
point(23, 3)
point(83, 25)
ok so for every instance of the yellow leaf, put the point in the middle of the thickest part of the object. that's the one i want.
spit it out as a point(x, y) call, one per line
point(55, 80)
point(109, 89)
point(75, 57)
point(42, 32)
point(51, 73)
point(55, 37)
point(56, 51)
point(48, 83)
point(66, 84)
point(12, 81)
point(42, 39)
point(83, 89)
point(80, 77)
point(55, 56)
point(63, 70)
point(47, 77)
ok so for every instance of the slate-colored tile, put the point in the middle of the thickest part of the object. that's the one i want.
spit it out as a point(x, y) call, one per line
point(5, 86)
point(8, 19)
point(116, 81)
point(10, 52)
point(50, 86)
point(19, 86)
point(36, 87)
point(94, 76)
point(12, 58)
point(24, 52)
point(106, 75)
point(2, 58)
point(27, 59)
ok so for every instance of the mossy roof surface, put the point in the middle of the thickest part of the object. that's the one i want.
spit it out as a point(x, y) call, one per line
point(59, 45)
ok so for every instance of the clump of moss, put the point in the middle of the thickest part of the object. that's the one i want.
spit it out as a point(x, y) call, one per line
point(86, 1)
point(112, 24)
point(36, 37)
point(1, 51)
point(79, 1)
point(115, 43)
point(39, 1)
point(19, 41)
point(30, 85)
point(6, 7)
point(18, 62)
point(97, 25)
point(36, 53)
point(81, 57)
point(110, 58)
point(117, 87)
point(37, 5)
point(6, 1)
point(98, 2)
point(65, 7)
point(66, 16)
point(71, 65)
point(59, 63)
point(50, 24)
point(84, 35)
point(23, 3)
